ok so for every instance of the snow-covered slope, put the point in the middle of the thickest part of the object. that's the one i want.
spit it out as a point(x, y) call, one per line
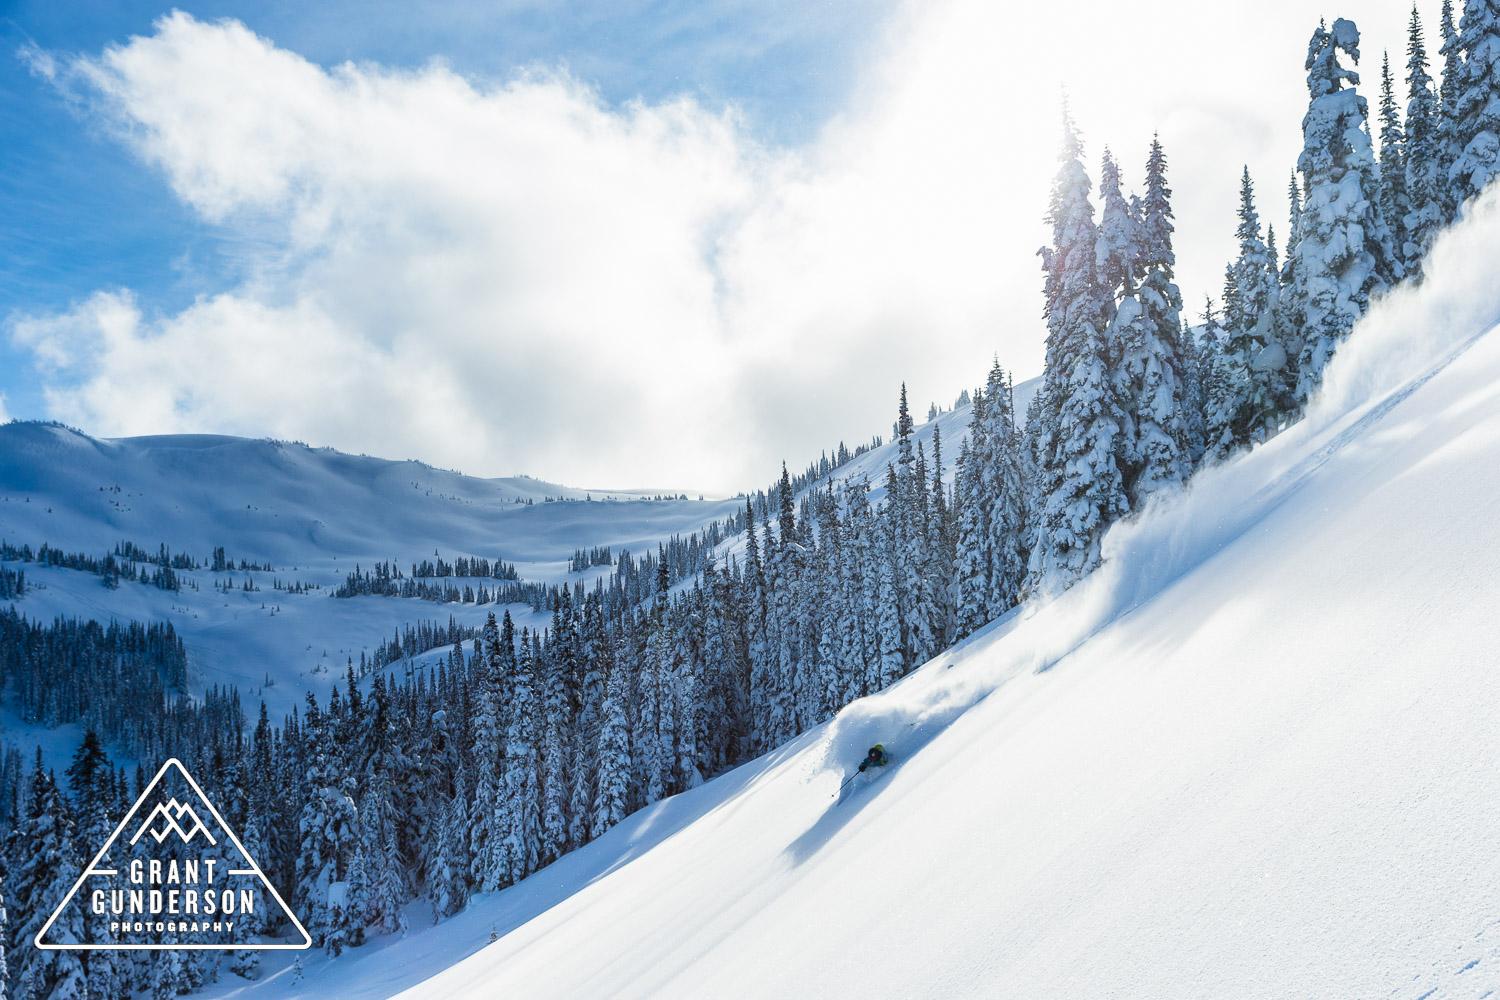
point(288, 503)
point(1253, 756)
point(952, 424)
point(313, 514)
point(871, 466)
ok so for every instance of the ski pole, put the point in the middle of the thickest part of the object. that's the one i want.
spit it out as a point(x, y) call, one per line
point(846, 782)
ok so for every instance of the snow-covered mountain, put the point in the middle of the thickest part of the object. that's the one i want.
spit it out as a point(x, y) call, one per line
point(312, 514)
point(1254, 755)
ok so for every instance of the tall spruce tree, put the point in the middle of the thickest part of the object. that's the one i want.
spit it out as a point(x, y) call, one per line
point(489, 819)
point(1476, 102)
point(890, 599)
point(1080, 485)
point(612, 800)
point(1426, 183)
point(92, 783)
point(45, 861)
point(1395, 199)
point(1291, 306)
point(1449, 92)
point(1155, 446)
point(1005, 483)
point(557, 737)
point(522, 845)
point(975, 569)
point(1344, 252)
point(1251, 383)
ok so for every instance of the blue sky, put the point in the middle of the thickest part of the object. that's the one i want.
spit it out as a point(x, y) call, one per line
point(492, 237)
point(79, 212)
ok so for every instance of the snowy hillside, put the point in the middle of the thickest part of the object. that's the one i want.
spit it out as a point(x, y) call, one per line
point(312, 515)
point(1252, 756)
point(870, 467)
point(286, 502)
point(952, 424)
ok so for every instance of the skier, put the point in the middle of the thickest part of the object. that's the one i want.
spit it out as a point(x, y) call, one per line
point(875, 758)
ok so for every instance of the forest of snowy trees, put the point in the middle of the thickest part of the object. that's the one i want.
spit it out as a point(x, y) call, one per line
point(480, 767)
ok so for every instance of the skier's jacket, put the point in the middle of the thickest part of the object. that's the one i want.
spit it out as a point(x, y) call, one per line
point(877, 757)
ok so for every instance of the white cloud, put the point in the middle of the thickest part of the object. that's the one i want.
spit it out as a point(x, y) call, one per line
point(4, 413)
point(504, 277)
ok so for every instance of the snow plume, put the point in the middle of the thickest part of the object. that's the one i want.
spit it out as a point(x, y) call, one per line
point(1407, 337)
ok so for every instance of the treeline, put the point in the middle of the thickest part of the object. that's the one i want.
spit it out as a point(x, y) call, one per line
point(131, 562)
point(414, 640)
point(824, 466)
point(583, 559)
point(160, 572)
point(632, 582)
point(12, 583)
point(385, 579)
point(465, 566)
point(219, 562)
point(122, 681)
point(163, 557)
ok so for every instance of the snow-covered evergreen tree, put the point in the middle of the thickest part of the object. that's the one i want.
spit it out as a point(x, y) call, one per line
point(612, 800)
point(593, 654)
point(95, 812)
point(1118, 247)
point(380, 816)
point(1291, 305)
point(1155, 446)
point(522, 845)
point(448, 871)
point(169, 975)
point(45, 862)
point(557, 739)
point(444, 811)
point(991, 504)
point(656, 723)
point(890, 600)
point(489, 819)
point(1426, 182)
point(328, 831)
point(1449, 92)
point(859, 638)
point(975, 558)
point(1251, 380)
point(1081, 487)
point(784, 636)
point(1476, 101)
point(756, 615)
point(1344, 252)
point(1395, 200)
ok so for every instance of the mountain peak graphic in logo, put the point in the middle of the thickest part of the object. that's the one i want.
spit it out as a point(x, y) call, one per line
point(171, 813)
point(182, 881)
